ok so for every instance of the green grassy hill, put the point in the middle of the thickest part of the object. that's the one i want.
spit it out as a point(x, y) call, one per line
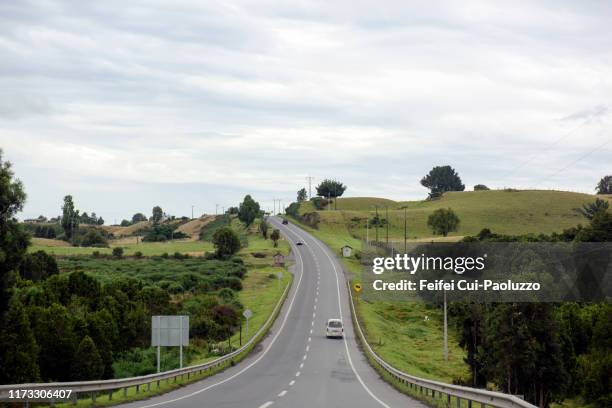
point(400, 333)
point(506, 212)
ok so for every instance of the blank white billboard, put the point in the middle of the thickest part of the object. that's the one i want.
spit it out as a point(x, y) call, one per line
point(166, 331)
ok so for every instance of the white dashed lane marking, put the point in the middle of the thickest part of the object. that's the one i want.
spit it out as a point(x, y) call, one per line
point(282, 393)
point(291, 383)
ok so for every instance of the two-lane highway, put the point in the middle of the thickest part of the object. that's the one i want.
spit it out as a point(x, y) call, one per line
point(296, 365)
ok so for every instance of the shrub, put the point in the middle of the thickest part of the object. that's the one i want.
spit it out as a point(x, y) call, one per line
point(118, 252)
point(480, 187)
point(93, 238)
point(137, 254)
point(319, 203)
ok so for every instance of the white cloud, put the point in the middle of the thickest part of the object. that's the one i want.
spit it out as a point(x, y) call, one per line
point(252, 96)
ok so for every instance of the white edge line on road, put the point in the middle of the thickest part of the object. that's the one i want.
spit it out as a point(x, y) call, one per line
point(258, 358)
point(348, 354)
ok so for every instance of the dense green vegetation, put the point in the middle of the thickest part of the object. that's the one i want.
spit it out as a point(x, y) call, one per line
point(88, 317)
point(543, 351)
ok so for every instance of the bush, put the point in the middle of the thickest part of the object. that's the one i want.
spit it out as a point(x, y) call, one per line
point(319, 203)
point(178, 255)
point(118, 252)
point(480, 187)
point(163, 232)
point(293, 209)
point(137, 254)
point(258, 254)
point(93, 238)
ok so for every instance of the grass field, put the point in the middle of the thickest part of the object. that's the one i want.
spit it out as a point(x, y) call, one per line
point(147, 248)
point(399, 332)
point(505, 212)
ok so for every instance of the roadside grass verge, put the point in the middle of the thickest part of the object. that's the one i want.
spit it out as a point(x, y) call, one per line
point(398, 332)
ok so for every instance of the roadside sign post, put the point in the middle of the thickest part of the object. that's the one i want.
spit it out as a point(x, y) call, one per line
point(279, 275)
point(158, 342)
point(247, 315)
point(181, 335)
point(169, 331)
point(445, 330)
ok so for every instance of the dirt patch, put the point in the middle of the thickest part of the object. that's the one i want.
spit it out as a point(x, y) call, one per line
point(193, 227)
point(119, 231)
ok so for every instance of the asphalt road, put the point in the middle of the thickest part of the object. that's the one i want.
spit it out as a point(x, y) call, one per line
point(296, 365)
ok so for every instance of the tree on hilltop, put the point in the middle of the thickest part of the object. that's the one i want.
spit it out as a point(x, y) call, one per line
point(605, 185)
point(441, 179)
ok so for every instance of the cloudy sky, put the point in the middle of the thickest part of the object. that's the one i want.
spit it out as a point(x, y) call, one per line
point(128, 104)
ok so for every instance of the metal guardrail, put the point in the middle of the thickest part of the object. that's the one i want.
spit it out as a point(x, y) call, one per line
point(430, 387)
point(94, 387)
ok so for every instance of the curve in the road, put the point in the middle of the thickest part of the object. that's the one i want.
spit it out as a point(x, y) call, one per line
point(296, 366)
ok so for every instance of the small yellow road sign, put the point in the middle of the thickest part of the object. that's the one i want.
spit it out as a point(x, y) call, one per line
point(357, 287)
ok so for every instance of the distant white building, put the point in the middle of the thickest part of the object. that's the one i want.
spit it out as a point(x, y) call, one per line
point(346, 251)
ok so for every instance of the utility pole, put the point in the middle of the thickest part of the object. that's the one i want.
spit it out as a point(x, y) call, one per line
point(367, 231)
point(192, 211)
point(387, 217)
point(309, 178)
point(216, 209)
point(377, 222)
point(405, 232)
point(445, 330)
point(274, 212)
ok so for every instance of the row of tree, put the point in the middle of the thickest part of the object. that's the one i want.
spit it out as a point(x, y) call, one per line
point(544, 351)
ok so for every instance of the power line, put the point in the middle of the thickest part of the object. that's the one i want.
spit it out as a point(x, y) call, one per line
point(547, 148)
point(588, 153)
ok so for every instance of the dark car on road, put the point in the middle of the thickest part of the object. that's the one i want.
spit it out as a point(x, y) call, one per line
point(285, 222)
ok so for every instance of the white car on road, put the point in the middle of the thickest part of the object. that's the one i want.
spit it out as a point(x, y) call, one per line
point(334, 328)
